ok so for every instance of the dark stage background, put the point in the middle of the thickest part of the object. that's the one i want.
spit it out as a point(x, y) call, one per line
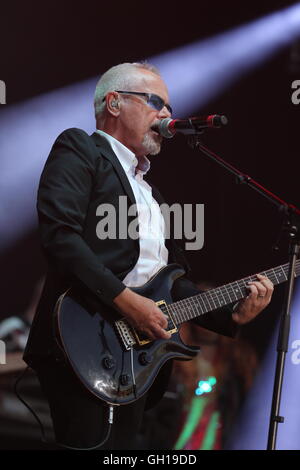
point(47, 45)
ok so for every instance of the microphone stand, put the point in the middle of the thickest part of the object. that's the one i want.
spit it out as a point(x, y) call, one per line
point(292, 226)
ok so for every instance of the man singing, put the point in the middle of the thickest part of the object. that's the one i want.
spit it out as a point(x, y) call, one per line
point(83, 172)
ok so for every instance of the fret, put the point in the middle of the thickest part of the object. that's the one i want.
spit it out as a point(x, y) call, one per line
point(236, 298)
point(188, 310)
point(180, 308)
point(279, 275)
point(267, 274)
point(217, 297)
point(200, 298)
point(245, 283)
point(284, 273)
point(243, 289)
point(209, 294)
point(180, 315)
point(181, 311)
point(226, 294)
point(201, 304)
point(224, 301)
point(279, 272)
point(196, 306)
point(275, 276)
point(193, 308)
point(238, 291)
point(205, 298)
point(177, 312)
point(172, 314)
point(190, 306)
point(171, 319)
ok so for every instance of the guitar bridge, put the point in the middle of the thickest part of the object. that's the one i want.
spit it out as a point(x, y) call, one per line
point(125, 333)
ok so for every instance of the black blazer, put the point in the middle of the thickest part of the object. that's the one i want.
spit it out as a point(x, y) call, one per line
point(81, 173)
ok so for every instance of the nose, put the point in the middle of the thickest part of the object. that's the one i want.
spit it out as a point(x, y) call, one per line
point(164, 113)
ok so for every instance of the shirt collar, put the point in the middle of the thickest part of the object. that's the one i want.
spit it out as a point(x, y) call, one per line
point(126, 157)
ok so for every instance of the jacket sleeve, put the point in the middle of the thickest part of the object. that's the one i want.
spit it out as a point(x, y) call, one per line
point(63, 198)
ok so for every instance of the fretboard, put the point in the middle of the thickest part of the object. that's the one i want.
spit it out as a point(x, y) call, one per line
point(192, 307)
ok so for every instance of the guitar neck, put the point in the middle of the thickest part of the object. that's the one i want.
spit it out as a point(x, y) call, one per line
point(193, 307)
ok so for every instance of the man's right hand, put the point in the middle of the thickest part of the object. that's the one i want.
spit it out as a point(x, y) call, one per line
point(143, 314)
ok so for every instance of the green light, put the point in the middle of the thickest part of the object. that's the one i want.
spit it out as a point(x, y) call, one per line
point(203, 387)
point(212, 381)
point(193, 418)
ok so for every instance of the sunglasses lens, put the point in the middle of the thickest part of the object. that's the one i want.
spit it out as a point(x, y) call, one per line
point(169, 108)
point(157, 103)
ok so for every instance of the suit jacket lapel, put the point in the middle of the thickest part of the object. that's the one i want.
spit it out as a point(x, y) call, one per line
point(107, 152)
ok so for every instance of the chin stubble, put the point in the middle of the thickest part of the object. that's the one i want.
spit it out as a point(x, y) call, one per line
point(151, 145)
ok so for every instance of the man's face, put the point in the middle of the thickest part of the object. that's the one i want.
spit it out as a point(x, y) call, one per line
point(137, 117)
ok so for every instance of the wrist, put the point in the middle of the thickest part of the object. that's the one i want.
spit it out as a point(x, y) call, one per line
point(126, 300)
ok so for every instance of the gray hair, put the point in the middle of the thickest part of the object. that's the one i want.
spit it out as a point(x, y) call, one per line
point(119, 77)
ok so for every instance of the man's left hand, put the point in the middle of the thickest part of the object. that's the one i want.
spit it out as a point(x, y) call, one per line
point(258, 298)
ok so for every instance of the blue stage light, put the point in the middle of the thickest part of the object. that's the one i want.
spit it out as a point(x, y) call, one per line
point(195, 74)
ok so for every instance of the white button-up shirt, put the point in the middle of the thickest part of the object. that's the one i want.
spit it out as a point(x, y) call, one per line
point(153, 252)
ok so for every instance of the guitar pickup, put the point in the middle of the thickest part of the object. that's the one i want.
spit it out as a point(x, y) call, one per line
point(142, 339)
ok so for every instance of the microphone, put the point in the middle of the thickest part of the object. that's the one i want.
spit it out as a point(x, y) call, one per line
point(169, 127)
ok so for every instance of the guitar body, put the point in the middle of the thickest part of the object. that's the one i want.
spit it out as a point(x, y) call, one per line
point(117, 363)
point(110, 359)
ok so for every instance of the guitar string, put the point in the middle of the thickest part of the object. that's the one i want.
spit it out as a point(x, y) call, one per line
point(182, 308)
point(195, 302)
point(227, 288)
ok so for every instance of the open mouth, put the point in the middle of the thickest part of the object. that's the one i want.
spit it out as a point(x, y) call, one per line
point(154, 129)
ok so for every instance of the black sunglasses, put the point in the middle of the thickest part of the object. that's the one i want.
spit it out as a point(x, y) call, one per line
point(155, 101)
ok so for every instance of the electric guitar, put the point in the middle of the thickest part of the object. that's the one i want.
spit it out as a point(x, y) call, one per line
point(119, 364)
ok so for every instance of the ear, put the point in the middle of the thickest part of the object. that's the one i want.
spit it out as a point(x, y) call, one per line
point(113, 103)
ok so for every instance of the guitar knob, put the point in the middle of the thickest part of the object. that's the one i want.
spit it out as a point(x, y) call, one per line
point(124, 379)
point(145, 358)
point(108, 362)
